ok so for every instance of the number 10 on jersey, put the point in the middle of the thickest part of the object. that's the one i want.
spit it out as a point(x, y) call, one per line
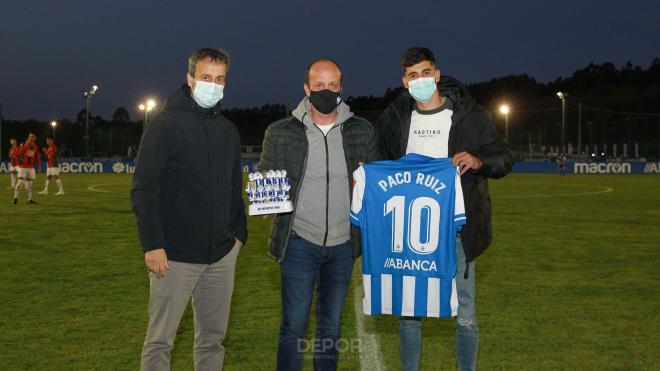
point(420, 241)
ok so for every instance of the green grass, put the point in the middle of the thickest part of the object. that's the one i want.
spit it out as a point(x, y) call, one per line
point(570, 282)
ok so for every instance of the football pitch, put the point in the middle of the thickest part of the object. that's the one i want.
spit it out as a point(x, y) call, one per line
point(571, 282)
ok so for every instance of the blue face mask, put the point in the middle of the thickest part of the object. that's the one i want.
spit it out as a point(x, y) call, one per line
point(422, 89)
point(207, 94)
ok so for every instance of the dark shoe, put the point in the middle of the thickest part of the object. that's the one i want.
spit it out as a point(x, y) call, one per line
point(15, 201)
point(32, 201)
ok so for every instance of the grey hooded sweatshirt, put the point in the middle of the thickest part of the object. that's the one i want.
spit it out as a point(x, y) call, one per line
point(323, 201)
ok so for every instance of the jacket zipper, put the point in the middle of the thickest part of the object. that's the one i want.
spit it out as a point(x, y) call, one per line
point(327, 186)
point(208, 158)
point(327, 191)
point(327, 183)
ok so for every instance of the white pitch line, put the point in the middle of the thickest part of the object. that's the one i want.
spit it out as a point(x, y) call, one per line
point(603, 190)
point(370, 359)
point(94, 189)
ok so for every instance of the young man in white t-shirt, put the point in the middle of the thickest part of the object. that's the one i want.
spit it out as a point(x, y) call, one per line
point(437, 117)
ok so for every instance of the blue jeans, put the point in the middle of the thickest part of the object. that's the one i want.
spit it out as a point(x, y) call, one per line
point(305, 264)
point(467, 328)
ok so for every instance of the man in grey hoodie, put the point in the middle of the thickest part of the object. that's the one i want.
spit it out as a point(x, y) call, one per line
point(319, 145)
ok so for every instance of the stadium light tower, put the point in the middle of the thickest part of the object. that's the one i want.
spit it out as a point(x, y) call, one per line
point(504, 109)
point(146, 107)
point(53, 124)
point(562, 96)
point(88, 94)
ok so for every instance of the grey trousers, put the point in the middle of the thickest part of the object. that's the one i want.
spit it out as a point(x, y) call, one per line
point(211, 287)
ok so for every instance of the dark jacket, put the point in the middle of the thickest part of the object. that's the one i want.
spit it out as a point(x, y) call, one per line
point(471, 131)
point(187, 186)
point(285, 147)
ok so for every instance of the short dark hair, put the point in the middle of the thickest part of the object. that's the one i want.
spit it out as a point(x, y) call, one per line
point(50, 137)
point(309, 67)
point(217, 55)
point(416, 55)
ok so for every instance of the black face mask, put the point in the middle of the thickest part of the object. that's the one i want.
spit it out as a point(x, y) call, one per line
point(324, 100)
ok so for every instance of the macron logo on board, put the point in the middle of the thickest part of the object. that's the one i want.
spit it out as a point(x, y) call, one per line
point(601, 168)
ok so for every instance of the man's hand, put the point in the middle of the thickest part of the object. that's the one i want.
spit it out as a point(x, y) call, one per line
point(238, 243)
point(157, 262)
point(466, 161)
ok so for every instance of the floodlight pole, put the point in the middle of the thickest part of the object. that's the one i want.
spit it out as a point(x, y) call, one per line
point(146, 118)
point(53, 124)
point(563, 125)
point(504, 109)
point(562, 96)
point(146, 107)
point(579, 128)
point(87, 97)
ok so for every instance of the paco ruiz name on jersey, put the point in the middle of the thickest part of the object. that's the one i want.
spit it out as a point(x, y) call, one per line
point(408, 211)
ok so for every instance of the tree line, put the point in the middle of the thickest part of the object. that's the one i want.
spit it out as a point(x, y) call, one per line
point(618, 105)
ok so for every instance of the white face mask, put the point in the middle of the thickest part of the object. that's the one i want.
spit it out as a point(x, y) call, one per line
point(207, 94)
point(422, 89)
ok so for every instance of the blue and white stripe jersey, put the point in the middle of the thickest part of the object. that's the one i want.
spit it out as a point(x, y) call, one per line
point(409, 212)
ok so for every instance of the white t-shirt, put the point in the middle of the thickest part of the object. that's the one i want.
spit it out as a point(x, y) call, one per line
point(325, 128)
point(429, 131)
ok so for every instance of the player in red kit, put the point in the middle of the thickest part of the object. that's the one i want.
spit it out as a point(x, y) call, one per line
point(27, 154)
point(53, 170)
point(13, 162)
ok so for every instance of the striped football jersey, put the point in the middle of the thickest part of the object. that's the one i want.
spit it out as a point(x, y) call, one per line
point(409, 212)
